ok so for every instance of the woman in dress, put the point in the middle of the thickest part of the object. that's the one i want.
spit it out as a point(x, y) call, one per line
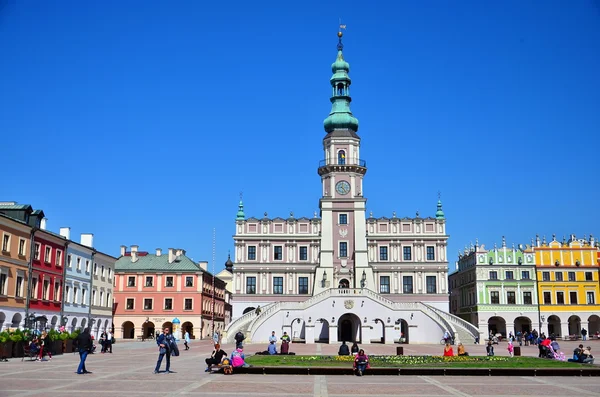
point(448, 351)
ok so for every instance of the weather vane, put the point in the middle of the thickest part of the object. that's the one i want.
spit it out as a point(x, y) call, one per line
point(439, 195)
point(241, 196)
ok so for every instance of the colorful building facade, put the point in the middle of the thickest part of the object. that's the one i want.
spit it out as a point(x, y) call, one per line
point(568, 285)
point(15, 253)
point(103, 277)
point(496, 289)
point(343, 274)
point(154, 291)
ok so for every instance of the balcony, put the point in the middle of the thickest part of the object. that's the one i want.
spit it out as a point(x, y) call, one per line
point(348, 165)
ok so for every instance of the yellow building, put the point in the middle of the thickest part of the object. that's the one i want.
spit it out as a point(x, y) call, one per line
point(568, 286)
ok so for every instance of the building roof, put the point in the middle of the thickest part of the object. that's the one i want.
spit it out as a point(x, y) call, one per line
point(151, 262)
point(10, 206)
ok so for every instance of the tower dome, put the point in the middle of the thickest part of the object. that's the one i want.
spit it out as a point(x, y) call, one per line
point(340, 117)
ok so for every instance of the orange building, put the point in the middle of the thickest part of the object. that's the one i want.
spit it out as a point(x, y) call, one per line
point(154, 291)
point(15, 252)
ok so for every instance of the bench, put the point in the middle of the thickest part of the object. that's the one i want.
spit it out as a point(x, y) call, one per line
point(141, 338)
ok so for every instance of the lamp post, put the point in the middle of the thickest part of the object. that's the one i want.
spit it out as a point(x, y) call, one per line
point(30, 321)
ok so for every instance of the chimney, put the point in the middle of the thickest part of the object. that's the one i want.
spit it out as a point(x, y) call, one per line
point(123, 250)
point(43, 223)
point(203, 265)
point(134, 256)
point(158, 252)
point(65, 232)
point(171, 255)
point(179, 252)
point(87, 239)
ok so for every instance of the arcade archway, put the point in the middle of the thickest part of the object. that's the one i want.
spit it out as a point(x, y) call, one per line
point(128, 330)
point(593, 324)
point(522, 324)
point(554, 326)
point(497, 325)
point(349, 329)
point(574, 325)
point(148, 329)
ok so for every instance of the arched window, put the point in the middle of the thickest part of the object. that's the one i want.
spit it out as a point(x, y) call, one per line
point(341, 157)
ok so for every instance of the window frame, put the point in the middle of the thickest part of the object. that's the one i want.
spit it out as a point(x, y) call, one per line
point(591, 274)
point(571, 298)
point(343, 249)
point(4, 286)
point(427, 279)
point(37, 248)
point(407, 253)
point(185, 301)
point(558, 276)
point(495, 273)
point(587, 297)
point(129, 283)
point(405, 285)
point(495, 295)
point(6, 237)
point(523, 273)
point(127, 303)
point(546, 276)
point(300, 286)
point(573, 278)
point(191, 279)
point(562, 295)
point(383, 253)
point(277, 287)
point(19, 285)
point(48, 254)
point(165, 304)
point(250, 286)
point(144, 302)
point(151, 283)
point(547, 294)
point(382, 285)
point(278, 252)
point(22, 249)
point(342, 219)
point(171, 279)
point(527, 296)
point(430, 255)
point(303, 253)
point(511, 295)
point(509, 273)
point(251, 251)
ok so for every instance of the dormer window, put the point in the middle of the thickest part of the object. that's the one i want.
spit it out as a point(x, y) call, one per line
point(341, 157)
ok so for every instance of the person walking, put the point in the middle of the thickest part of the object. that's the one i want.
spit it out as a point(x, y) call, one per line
point(109, 342)
point(103, 342)
point(583, 333)
point(239, 338)
point(164, 342)
point(186, 340)
point(84, 344)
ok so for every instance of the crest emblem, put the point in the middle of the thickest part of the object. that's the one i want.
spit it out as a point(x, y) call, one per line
point(343, 233)
point(349, 304)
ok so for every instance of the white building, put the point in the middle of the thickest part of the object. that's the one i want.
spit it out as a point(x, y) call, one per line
point(343, 275)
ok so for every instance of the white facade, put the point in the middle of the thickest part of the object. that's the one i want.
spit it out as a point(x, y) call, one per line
point(343, 275)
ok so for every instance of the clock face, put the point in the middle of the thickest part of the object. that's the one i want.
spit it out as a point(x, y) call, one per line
point(342, 187)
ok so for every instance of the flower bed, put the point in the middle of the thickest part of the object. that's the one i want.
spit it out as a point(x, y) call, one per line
point(412, 361)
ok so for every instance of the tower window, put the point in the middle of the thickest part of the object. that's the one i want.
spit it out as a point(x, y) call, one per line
point(342, 157)
point(340, 89)
point(343, 249)
point(343, 219)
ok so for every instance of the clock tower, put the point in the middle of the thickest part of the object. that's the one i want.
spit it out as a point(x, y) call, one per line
point(343, 257)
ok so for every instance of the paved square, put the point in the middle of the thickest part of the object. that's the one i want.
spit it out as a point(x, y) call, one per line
point(128, 372)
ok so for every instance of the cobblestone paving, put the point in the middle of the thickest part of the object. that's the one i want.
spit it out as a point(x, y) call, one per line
point(128, 372)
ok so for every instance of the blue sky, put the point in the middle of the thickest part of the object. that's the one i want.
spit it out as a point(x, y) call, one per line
point(141, 122)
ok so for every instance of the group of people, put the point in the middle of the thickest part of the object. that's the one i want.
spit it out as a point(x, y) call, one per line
point(285, 344)
point(449, 351)
point(361, 360)
point(581, 355)
point(40, 345)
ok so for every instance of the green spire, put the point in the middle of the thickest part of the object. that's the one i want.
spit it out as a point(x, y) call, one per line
point(439, 213)
point(240, 214)
point(340, 117)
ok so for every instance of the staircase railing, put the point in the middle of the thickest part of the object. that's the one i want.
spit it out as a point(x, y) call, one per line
point(457, 320)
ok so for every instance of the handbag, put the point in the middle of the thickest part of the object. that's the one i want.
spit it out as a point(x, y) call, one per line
point(163, 350)
point(112, 340)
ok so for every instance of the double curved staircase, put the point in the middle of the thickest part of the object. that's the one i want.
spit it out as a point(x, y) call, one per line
point(250, 322)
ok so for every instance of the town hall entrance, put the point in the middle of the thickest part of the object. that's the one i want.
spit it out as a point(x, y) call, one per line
point(349, 328)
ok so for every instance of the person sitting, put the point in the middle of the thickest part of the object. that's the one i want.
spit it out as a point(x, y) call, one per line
point(215, 358)
point(361, 362)
point(285, 343)
point(344, 351)
point(238, 358)
point(577, 355)
point(354, 349)
point(489, 349)
point(272, 349)
point(587, 356)
point(448, 351)
point(461, 350)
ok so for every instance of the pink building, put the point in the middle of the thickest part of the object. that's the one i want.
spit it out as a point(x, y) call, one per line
point(152, 290)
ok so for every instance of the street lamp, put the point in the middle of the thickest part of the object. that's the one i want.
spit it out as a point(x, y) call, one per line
point(30, 321)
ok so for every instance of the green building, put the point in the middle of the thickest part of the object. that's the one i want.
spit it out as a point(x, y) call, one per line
point(495, 289)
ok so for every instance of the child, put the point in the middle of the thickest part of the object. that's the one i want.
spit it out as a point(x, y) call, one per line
point(511, 348)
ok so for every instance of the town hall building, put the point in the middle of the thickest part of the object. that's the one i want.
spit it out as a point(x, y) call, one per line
point(343, 275)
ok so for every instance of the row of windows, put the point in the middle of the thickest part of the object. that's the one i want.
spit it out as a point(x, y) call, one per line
point(169, 281)
point(509, 275)
point(558, 276)
point(573, 298)
point(511, 298)
point(47, 254)
point(103, 271)
point(407, 284)
point(188, 304)
point(277, 285)
point(343, 252)
point(6, 239)
point(406, 253)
